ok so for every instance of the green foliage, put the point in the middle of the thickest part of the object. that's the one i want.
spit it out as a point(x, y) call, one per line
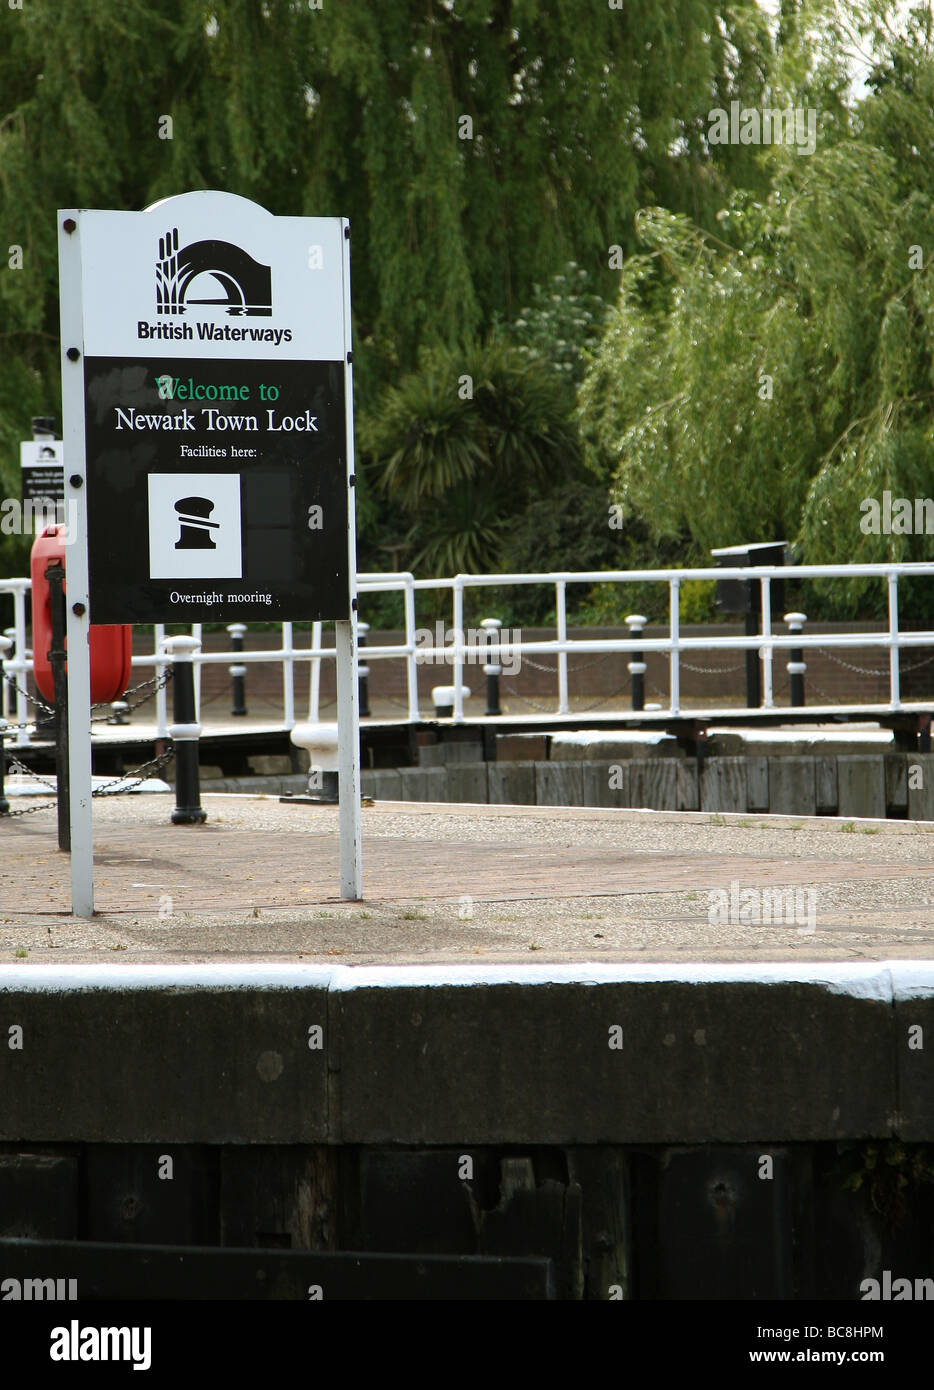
point(563, 324)
point(357, 109)
point(462, 444)
point(889, 1173)
point(760, 383)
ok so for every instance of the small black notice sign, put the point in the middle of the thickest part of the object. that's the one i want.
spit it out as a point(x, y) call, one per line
point(42, 472)
point(217, 489)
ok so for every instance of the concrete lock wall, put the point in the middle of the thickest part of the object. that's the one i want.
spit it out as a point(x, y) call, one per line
point(568, 1132)
point(898, 785)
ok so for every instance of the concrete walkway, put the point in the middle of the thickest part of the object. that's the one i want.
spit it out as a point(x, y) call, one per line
point(260, 881)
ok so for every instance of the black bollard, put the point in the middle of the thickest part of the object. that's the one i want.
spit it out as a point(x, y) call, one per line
point(796, 666)
point(238, 673)
point(55, 574)
point(636, 667)
point(363, 673)
point(185, 732)
point(493, 667)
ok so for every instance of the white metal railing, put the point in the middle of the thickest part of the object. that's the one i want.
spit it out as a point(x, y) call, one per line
point(493, 649)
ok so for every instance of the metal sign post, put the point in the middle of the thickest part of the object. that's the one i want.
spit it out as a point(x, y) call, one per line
point(77, 627)
point(208, 400)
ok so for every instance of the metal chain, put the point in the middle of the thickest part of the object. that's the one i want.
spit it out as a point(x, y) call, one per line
point(154, 765)
point(597, 703)
point(157, 683)
point(710, 670)
point(30, 810)
point(527, 700)
point(543, 666)
point(28, 772)
point(873, 670)
point(133, 779)
point(33, 699)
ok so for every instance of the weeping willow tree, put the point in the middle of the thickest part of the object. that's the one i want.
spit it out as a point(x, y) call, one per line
point(763, 381)
point(477, 145)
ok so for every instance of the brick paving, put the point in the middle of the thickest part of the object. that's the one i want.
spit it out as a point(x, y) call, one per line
point(261, 879)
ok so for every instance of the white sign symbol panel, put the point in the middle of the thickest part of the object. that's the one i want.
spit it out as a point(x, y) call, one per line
point(194, 526)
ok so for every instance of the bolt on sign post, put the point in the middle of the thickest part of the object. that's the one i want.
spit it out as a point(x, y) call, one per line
point(208, 433)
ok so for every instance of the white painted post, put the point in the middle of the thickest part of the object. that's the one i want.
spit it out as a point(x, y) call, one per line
point(162, 722)
point(458, 661)
point(196, 654)
point(410, 661)
point(314, 686)
point(895, 694)
point(345, 637)
point(561, 623)
point(19, 622)
point(674, 668)
point(288, 677)
point(766, 649)
point(76, 565)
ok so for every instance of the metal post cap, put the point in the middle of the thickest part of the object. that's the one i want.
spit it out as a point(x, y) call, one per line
point(798, 619)
point(444, 694)
point(236, 629)
point(635, 620)
point(182, 647)
point(491, 623)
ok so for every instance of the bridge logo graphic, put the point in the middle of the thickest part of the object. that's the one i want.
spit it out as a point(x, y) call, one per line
point(210, 273)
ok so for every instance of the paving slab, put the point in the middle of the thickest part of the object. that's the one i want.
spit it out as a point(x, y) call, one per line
point(259, 881)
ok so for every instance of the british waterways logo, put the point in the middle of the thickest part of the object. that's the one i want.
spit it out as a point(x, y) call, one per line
point(210, 273)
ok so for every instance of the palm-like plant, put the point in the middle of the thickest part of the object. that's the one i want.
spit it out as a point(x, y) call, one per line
point(463, 443)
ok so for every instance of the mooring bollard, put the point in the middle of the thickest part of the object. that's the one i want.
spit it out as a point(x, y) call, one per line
point(442, 697)
point(119, 709)
point(636, 667)
point(6, 647)
point(185, 732)
point(320, 741)
point(238, 673)
point(797, 666)
point(493, 668)
point(363, 672)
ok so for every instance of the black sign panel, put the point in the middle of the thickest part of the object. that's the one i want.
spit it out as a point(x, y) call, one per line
point(43, 484)
point(217, 490)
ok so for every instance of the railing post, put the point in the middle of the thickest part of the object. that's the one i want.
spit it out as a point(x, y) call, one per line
point(196, 632)
point(796, 666)
point(184, 732)
point(561, 623)
point(5, 646)
point(363, 672)
point(288, 677)
point(237, 673)
point(458, 661)
point(751, 654)
point(674, 668)
point(19, 623)
point(162, 725)
point(314, 680)
point(493, 667)
point(895, 693)
point(6, 703)
point(410, 661)
point(637, 666)
point(765, 651)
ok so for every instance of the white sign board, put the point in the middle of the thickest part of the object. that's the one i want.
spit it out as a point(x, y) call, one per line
point(208, 409)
